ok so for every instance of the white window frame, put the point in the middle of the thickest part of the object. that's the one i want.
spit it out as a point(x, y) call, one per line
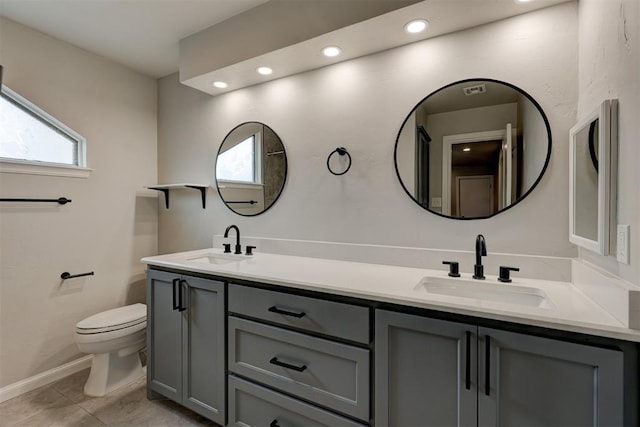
point(257, 163)
point(34, 167)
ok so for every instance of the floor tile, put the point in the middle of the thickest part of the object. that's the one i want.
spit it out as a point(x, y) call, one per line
point(73, 385)
point(30, 404)
point(63, 404)
point(66, 416)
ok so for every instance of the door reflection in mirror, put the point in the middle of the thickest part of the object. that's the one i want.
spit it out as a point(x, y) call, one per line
point(472, 156)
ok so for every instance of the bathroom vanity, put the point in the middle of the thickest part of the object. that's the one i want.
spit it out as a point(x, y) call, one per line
point(281, 340)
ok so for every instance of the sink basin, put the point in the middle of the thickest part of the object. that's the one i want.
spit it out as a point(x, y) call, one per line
point(483, 291)
point(217, 258)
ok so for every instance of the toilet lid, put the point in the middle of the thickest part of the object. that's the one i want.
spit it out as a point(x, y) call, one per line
point(117, 318)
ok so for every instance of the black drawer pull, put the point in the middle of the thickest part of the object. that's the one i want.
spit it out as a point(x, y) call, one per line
point(275, 309)
point(181, 306)
point(175, 287)
point(468, 363)
point(274, 423)
point(487, 367)
point(275, 361)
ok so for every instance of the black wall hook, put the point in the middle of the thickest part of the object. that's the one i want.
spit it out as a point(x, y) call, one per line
point(341, 151)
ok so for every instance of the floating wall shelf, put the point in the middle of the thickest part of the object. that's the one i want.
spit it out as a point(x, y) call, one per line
point(166, 187)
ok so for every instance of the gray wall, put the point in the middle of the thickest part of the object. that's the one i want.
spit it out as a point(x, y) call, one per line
point(111, 222)
point(609, 53)
point(361, 104)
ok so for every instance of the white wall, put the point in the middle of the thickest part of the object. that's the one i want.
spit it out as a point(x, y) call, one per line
point(106, 229)
point(361, 104)
point(609, 64)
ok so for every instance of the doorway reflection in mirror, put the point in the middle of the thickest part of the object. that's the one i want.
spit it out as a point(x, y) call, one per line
point(467, 154)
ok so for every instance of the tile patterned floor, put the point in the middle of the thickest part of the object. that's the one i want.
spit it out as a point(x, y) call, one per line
point(62, 404)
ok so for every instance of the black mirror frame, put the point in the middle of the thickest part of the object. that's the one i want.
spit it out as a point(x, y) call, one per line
point(284, 181)
point(524, 196)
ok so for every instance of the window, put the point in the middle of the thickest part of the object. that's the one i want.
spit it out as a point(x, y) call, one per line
point(30, 136)
point(241, 163)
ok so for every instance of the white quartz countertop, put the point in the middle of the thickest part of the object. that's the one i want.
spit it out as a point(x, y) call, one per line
point(570, 310)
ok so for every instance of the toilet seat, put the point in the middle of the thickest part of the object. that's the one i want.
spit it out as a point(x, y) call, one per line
point(118, 319)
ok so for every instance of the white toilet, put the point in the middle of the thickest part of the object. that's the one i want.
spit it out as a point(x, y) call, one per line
point(115, 337)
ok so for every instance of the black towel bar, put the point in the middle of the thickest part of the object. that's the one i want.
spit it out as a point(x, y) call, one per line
point(66, 275)
point(61, 200)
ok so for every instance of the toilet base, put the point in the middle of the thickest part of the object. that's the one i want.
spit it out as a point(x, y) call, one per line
point(110, 371)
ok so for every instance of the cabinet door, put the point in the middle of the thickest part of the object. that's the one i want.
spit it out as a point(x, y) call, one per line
point(164, 340)
point(203, 347)
point(425, 372)
point(531, 381)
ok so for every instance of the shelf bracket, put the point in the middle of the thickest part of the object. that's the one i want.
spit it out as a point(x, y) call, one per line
point(166, 194)
point(203, 193)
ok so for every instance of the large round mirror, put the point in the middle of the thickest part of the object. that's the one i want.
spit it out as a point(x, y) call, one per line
point(251, 168)
point(473, 149)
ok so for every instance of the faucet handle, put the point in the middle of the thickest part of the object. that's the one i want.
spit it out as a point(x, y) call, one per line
point(504, 273)
point(227, 247)
point(453, 268)
point(249, 250)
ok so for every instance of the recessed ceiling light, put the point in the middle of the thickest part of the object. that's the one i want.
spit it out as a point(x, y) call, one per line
point(220, 85)
point(522, 1)
point(466, 149)
point(331, 51)
point(416, 26)
point(265, 71)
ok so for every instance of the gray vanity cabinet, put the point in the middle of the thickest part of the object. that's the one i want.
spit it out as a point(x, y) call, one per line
point(186, 342)
point(431, 372)
point(526, 380)
point(421, 371)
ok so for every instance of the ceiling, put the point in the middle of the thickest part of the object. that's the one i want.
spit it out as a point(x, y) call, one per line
point(141, 34)
point(145, 34)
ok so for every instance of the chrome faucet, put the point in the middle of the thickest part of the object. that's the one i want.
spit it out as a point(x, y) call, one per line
point(481, 250)
point(226, 234)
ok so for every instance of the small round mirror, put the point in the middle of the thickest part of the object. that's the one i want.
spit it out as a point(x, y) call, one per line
point(472, 149)
point(251, 168)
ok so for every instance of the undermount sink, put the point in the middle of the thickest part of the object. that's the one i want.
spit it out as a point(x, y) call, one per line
point(483, 291)
point(217, 258)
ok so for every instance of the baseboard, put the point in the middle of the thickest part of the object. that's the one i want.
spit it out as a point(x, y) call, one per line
point(44, 378)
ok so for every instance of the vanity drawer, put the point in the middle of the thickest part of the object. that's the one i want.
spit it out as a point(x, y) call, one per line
point(331, 318)
point(330, 374)
point(252, 405)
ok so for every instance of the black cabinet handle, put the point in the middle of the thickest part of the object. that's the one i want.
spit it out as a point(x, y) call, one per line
point(275, 361)
point(487, 366)
point(468, 362)
point(275, 309)
point(175, 285)
point(274, 423)
point(181, 306)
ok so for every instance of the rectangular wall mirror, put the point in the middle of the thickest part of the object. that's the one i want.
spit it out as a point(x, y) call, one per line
point(593, 173)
